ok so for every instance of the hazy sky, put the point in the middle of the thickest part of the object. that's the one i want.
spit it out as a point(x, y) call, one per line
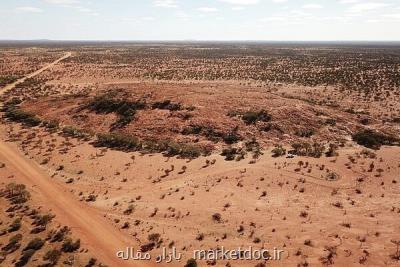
point(200, 20)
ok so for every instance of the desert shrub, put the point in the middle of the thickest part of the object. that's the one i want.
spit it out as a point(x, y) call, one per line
point(252, 117)
point(29, 83)
point(278, 151)
point(147, 247)
point(168, 105)
point(232, 153)
point(16, 193)
point(212, 134)
point(4, 80)
point(18, 115)
point(182, 150)
point(59, 235)
point(231, 137)
point(91, 198)
point(306, 149)
point(91, 263)
point(38, 229)
point(305, 133)
point(330, 121)
point(117, 140)
point(107, 103)
point(52, 256)
point(332, 176)
point(15, 225)
point(192, 129)
point(191, 263)
point(71, 246)
point(332, 151)
point(25, 257)
point(51, 125)
point(229, 153)
point(129, 210)
point(253, 146)
point(13, 244)
point(233, 113)
point(170, 149)
point(374, 140)
point(216, 217)
point(35, 244)
point(368, 153)
point(75, 132)
point(11, 104)
point(154, 237)
point(43, 220)
point(365, 121)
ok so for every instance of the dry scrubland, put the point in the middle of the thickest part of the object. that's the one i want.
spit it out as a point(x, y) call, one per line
point(209, 145)
point(30, 236)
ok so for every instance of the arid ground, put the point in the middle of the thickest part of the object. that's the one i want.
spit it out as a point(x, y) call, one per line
point(199, 147)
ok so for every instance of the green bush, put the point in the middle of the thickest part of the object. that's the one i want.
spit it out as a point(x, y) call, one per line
point(35, 244)
point(253, 146)
point(168, 105)
point(18, 115)
point(307, 133)
point(278, 151)
point(231, 137)
point(191, 263)
point(43, 220)
point(192, 129)
point(59, 235)
point(51, 125)
point(119, 141)
point(15, 225)
point(332, 151)
point(71, 246)
point(4, 80)
point(374, 140)
point(182, 150)
point(232, 153)
point(75, 132)
point(13, 244)
point(16, 193)
point(306, 149)
point(107, 103)
point(12, 103)
point(52, 256)
point(252, 117)
point(25, 257)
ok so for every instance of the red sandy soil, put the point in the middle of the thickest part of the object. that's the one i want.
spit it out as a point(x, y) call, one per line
point(286, 203)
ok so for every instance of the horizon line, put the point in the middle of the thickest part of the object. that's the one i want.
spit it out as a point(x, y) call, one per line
point(183, 40)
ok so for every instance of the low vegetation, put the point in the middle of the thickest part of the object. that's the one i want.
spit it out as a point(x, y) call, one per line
point(168, 105)
point(4, 80)
point(374, 140)
point(43, 248)
point(252, 117)
point(315, 150)
point(16, 114)
point(118, 141)
point(130, 143)
point(110, 103)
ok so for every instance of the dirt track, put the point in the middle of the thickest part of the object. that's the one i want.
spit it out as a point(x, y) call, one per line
point(102, 239)
point(98, 235)
point(33, 74)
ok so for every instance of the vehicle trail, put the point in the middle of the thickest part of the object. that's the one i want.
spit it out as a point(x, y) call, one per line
point(33, 74)
point(96, 233)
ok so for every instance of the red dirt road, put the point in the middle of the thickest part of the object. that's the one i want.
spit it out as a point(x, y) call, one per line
point(102, 239)
point(98, 235)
